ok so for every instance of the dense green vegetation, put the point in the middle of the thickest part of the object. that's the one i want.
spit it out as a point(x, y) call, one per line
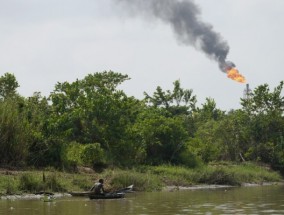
point(91, 122)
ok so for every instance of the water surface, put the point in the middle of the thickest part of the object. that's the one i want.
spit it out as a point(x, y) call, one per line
point(245, 200)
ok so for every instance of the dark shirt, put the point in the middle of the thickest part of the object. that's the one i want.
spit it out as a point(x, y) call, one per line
point(98, 188)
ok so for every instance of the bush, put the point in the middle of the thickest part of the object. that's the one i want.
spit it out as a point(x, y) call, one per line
point(82, 183)
point(220, 176)
point(73, 154)
point(189, 159)
point(29, 182)
point(141, 181)
point(236, 174)
point(87, 155)
point(174, 175)
point(45, 152)
point(8, 185)
point(92, 154)
point(53, 184)
point(32, 182)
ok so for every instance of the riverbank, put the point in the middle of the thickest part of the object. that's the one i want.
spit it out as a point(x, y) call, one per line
point(28, 196)
point(214, 186)
point(144, 178)
point(32, 196)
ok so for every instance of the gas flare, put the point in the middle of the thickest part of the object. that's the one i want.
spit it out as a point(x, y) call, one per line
point(234, 74)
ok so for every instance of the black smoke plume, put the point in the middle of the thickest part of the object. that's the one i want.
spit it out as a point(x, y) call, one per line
point(184, 18)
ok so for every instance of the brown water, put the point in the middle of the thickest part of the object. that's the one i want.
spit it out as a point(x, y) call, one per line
point(246, 200)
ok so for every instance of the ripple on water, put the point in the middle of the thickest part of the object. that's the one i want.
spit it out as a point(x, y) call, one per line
point(266, 204)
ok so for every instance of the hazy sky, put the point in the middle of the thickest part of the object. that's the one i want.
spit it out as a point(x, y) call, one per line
point(45, 42)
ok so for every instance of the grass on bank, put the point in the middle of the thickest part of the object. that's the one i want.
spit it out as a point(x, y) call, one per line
point(48, 181)
point(228, 174)
point(144, 178)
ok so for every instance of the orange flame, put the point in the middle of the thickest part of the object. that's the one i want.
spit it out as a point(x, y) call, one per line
point(234, 74)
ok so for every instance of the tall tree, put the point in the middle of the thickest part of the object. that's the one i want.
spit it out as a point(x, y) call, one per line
point(265, 109)
point(179, 101)
point(162, 136)
point(209, 111)
point(14, 133)
point(8, 86)
point(93, 110)
point(234, 134)
point(262, 101)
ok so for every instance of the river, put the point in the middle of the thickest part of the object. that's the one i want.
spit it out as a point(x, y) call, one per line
point(241, 200)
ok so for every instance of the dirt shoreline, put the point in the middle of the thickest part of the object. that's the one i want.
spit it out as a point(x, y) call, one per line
point(29, 196)
point(215, 186)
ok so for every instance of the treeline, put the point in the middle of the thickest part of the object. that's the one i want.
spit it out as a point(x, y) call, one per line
point(92, 122)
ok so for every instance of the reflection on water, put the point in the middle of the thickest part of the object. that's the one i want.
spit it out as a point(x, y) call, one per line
point(249, 200)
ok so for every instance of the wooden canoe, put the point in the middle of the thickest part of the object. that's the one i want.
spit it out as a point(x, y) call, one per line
point(86, 193)
point(107, 196)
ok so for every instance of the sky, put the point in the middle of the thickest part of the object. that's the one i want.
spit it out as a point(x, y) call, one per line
point(45, 42)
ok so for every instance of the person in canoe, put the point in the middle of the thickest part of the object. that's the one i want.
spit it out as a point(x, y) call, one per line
point(98, 187)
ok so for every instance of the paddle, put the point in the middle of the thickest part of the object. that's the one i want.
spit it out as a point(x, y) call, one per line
point(125, 190)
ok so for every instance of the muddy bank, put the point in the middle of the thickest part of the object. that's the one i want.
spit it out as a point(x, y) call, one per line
point(215, 186)
point(194, 187)
point(32, 196)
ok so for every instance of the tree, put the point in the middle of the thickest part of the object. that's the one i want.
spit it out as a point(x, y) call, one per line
point(205, 143)
point(44, 148)
point(262, 101)
point(8, 86)
point(208, 111)
point(177, 102)
point(265, 111)
point(93, 110)
point(234, 135)
point(14, 127)
point(167, 123)
point(163, 137)
point(14, 133)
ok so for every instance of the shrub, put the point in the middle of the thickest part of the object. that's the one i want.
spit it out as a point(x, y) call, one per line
point(141, 181)
point(174, 175)
point(32, 182)
point(73, 154)
point(29, 182)
point(92, 154)
point(219, 176)
point(82, 183)
point(189, 159)
point(45, 152)
point(52, 183)
point(8, 185)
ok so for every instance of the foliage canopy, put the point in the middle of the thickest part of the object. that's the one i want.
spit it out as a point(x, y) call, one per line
point(92, 122)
